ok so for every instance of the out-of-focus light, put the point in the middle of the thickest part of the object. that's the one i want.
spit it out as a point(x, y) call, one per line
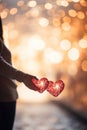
point(13, 11)
point(65, 44)
point(62, 3)
point(85, 26)
point(56, 22)
point(26, 52)
point(77, 6)
point(73, 54)
point(32, 3)
point(32, 65)
point(67, 19)
point(30, 96)
point(72, 69)
point(28, 14)
point(11, 25)
point(72, 13)
point(20, 3)
point(58, 2)
point(34, 12)
point(13, 34)
point(83, 43)
point(83, 3)
point(53, 40)
point(75, 0)
point(36, 43)
point(48, 6)
point(4, 14)
point(53, 56)
point(61, 13)
point(84, 65)
point(66, 26)
point(43, 22)
point(80, 15)
point(69, 0)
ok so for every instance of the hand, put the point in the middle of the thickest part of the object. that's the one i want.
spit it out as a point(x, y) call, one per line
point(29, 83)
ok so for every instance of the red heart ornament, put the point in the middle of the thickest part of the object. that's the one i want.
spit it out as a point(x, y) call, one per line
point(55, 88)
point(42, 84)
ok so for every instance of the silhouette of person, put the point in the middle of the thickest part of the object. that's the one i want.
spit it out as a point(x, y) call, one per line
point(8, 92)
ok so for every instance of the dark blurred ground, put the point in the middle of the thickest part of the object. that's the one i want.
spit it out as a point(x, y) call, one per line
point(46, 116)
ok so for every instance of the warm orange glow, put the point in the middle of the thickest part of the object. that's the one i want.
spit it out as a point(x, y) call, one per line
point(61, 13)
point(75, 0)
point(65, 44)
point(13, 11)
point(20, 3)
point(84, 65)
point(62, 2)
point(73, 54)
point(72, 69)
point(58, 2)
point(83, 43)
point(11, 25)
point(53, 56)
point(4, 14)
point(32, 3)
point(13, 34)
point(34, 12)
point(36, 43)
point(46, 38)
point(80, 15)
point(31, 96)
point(77, 6)
point(85, 26)
point(66, 26)
point(86, 12)
point(83, 3)
point(67, 19)
point(48, 6)
point(43, 22)
point(72, 13)
point(56, 22)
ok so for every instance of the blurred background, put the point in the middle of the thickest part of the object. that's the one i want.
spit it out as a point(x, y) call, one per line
point(48, 38)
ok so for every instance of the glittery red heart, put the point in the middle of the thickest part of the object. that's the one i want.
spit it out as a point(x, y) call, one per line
point(42, 84)
point(55, 88)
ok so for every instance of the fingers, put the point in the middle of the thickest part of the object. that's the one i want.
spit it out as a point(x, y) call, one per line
point(28, 81)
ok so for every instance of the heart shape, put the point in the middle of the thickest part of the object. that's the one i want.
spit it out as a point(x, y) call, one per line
point(42, 84)
point(55, 88)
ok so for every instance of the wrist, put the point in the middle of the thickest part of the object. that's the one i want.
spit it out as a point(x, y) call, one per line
point(20, 76)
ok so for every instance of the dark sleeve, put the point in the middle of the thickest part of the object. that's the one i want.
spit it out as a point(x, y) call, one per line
point(9, 71)
point(1, 46)
point(6, 69)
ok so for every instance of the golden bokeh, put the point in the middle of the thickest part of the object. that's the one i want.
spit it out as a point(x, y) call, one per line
point(48, 6)
point(84, 65)
point(13, 11)
point(48, 39)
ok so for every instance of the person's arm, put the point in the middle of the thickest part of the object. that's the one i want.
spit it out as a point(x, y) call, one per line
point(7, 70)
point(10, 72)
